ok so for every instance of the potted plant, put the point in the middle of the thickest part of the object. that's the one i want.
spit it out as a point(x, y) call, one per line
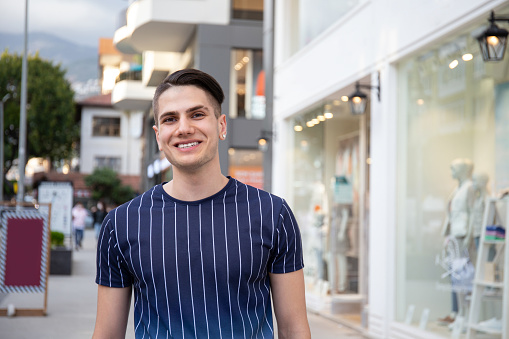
point(61, 256)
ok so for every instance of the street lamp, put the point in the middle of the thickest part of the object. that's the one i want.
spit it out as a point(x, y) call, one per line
point(359, 100)
point(493, 40)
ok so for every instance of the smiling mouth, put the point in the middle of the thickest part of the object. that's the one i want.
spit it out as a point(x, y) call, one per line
point(188, 145)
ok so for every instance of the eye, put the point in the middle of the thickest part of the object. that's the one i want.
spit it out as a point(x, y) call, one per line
point(168, 119)
point(198, 115)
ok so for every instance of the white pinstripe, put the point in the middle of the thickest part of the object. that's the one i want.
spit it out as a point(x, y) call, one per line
point(190, 276)
point(215, 268)
point(227, 262)
point(240, 258)
point(152, 264)
point(251, 270)
point(164, 268)
point(177, 270)
point(294, 232)
point(203, 275)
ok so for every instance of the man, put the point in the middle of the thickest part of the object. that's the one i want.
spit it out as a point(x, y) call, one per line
point(79, 215)
point(202, 252)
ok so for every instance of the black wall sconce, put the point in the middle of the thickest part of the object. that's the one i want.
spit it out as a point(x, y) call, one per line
point(493, 40)
point(264, 140)
point(359, 100)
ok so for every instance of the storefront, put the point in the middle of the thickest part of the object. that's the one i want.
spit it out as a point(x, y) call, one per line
point(453, 153)
point(329, 187)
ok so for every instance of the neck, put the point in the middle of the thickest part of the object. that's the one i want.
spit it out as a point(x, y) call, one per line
point(195, 186)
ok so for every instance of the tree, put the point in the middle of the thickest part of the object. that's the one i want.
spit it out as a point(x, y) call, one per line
point(106, 185)
point(51, 123)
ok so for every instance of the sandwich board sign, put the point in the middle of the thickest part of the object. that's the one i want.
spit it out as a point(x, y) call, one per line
point(60, 197)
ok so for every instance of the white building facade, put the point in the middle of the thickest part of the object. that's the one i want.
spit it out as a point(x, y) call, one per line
point(373, 192)
point(110, 138)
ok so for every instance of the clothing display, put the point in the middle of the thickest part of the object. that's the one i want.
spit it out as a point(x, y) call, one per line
point(210, 259)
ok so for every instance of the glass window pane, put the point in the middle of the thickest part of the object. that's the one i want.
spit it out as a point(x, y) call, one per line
point(247, 84)
point(309, 18)
point(105, 126)
point(452, 138)
point(247, 9)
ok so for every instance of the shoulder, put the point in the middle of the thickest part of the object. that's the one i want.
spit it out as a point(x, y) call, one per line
point(142, 200)
point(254, 193)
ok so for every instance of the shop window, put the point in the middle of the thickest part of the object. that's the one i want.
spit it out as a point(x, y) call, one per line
point(247, 9)
point(453, 136)
point(327, 168)
point(105, 127)
point(247, 84)
point(246, 165)
point(108, 162)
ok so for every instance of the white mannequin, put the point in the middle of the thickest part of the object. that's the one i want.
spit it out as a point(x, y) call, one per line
point(458, 219)
point(457, 222)
point(479, 185)
point(319, 212)
point(339, 245)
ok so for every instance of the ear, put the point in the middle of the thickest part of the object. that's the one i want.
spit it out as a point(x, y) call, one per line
point(221, 124)
point(157, 137)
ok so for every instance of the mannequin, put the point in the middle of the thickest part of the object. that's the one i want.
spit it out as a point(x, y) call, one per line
point(479, 185)
point(339, 245)
point(458, 221)
point(319, 213)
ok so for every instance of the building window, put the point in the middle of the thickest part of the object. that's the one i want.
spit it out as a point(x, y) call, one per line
point(247, 84)
point(105, 127)
point(247, 9)
point(108, 162)
point(310, 18)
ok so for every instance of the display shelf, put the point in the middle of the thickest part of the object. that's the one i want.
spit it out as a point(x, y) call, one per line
point(496, 212)
point(486, 330)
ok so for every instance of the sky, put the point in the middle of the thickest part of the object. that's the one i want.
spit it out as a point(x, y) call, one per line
point(80, 21)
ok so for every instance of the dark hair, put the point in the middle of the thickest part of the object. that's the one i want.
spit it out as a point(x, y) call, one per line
point(191, 77)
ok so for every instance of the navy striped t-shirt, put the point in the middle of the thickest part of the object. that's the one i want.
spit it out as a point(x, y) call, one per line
point(200, 269)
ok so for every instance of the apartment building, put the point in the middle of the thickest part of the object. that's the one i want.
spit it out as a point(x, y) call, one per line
point(220, 37)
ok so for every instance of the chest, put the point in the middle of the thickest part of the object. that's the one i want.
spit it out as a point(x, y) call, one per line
point(204, 242)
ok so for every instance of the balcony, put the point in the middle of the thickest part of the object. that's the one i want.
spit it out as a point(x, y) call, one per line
point(167, 25)
point(129, 94)
point(157, 65)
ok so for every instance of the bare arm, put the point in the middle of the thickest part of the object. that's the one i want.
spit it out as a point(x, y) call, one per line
point(288, 294)
point(112, 312)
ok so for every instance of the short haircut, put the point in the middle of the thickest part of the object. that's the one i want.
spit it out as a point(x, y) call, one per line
point(191, 77)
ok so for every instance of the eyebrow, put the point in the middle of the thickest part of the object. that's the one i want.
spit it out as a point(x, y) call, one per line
point(189, 110)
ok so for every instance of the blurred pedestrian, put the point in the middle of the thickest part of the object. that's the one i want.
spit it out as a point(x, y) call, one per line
point(203, 253)
point(99, 213)
point(79, 216)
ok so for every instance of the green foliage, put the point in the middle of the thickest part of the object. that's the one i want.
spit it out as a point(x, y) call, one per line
point(57, 239)
point(51, 124)
point(107, 186)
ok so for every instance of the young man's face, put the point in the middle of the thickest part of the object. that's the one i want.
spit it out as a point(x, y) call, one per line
point(187, 129)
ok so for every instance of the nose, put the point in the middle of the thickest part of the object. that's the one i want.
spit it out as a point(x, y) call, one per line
point(185, 126)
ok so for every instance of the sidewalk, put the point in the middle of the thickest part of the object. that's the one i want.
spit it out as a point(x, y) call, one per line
point(72, 302)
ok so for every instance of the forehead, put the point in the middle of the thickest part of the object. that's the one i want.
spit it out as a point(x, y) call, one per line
point(182, 97)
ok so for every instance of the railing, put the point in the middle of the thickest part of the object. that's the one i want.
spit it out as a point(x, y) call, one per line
point(129, 75)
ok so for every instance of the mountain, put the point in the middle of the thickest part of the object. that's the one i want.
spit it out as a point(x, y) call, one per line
point(81, 62)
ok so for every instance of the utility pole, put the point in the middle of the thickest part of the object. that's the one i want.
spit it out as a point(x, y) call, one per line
point(4, 99)
point(23, 117)
point(268, 65)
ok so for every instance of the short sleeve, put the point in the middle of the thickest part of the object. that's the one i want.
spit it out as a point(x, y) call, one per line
point(111, 269)
point(287, 249)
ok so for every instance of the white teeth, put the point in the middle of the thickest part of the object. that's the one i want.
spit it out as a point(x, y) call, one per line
point(191, 144)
